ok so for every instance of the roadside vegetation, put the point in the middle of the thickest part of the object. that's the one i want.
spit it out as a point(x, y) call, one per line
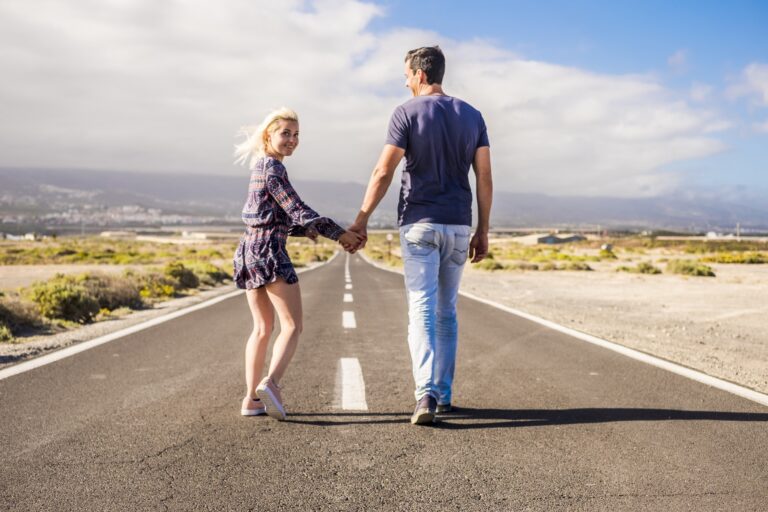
point(633, 254)
point(643, 267)
point(689, 268)
point(158, 272)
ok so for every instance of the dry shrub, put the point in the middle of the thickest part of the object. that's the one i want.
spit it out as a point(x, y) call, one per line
point(18, 315)
point(113, 292)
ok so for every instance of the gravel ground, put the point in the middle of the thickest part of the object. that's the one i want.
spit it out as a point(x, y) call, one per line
point(715, 325)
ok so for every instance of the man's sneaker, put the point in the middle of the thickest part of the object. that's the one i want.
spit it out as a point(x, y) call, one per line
point(444, 408)
point(269, 393)
point(425, 411)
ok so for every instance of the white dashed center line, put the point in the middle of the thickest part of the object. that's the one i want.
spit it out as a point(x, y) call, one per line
point(347, 297)
point(348, 320)
point(347, 286)
point(352, 385)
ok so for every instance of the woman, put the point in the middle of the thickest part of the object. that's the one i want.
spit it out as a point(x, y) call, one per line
point(263, 268)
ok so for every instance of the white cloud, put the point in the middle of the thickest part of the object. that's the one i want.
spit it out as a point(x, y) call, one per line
point(700, 92)
point(678, 61)
point(165, 85)
point(753, 82)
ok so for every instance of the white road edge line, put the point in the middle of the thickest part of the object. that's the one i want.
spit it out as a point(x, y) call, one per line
point(678, 369)
point(348, 297)
point(348, 320)
point(352, 385)
point(86, 345)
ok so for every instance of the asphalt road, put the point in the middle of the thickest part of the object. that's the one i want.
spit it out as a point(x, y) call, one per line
point(546, 422)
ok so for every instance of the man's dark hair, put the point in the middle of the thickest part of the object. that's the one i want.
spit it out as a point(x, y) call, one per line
point(430, 60)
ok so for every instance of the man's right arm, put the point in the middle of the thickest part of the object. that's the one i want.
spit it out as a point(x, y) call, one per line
point(377, 187)
point(478, 246)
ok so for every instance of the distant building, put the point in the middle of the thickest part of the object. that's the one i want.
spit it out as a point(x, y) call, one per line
point(117, 234)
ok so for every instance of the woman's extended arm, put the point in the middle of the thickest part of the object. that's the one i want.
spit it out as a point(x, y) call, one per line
point(303, 218)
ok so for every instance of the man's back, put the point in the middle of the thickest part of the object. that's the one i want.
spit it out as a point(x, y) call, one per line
point(440, 135)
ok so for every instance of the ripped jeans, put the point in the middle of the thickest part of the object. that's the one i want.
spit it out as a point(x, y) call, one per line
point(433, 259)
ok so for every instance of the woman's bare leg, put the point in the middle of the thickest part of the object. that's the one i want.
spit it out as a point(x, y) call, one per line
point(286, 299)
point(256, 348)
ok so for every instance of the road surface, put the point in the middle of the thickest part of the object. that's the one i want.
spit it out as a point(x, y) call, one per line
point(546, 422)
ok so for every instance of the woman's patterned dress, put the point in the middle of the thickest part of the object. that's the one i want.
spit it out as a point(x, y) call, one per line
point(273, 211)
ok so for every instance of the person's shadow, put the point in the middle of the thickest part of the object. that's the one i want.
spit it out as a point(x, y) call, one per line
point(473, 418)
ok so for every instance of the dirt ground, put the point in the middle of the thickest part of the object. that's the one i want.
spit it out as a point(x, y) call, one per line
point(13, 277)
point(716, 325)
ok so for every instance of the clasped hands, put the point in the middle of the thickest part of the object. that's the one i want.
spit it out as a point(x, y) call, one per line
point(354, 238)
point(352, 241)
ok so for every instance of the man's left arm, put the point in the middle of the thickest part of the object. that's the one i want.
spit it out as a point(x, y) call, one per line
point(478, 246)
point(377, 187)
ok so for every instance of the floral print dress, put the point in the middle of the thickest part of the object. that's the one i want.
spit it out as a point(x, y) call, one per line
point(272, 212)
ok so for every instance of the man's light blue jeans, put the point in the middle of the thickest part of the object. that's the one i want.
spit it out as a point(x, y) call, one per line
point(433, 259)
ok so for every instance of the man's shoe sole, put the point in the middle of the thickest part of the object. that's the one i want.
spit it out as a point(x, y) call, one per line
point(424, 417)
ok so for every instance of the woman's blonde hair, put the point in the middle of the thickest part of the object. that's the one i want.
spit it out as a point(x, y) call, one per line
point(257, 137)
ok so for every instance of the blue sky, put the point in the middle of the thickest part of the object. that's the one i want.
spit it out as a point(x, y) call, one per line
point(716, 39)
point(605, 36)
point(632, 99)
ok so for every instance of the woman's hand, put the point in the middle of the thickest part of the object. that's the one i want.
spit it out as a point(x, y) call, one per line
point(351, 241)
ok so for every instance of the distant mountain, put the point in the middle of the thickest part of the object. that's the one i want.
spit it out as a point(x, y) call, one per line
point(688, 212)
point(37, 192)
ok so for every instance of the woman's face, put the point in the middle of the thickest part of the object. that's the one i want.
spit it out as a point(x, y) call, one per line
point(284, 139)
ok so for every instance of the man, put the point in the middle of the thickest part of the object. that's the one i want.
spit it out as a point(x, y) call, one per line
point(440, 137)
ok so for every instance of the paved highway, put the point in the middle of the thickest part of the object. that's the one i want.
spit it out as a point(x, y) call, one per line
point(545, 422)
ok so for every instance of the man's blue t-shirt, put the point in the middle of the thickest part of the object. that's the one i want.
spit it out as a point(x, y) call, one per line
point(440, 135)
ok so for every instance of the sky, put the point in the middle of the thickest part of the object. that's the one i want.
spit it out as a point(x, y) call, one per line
point(591, 98)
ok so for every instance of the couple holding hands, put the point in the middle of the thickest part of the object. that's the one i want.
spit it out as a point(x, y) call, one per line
point(441, 137)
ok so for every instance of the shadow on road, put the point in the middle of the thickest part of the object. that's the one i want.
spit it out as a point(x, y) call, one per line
point(349, 418)
point(471, 418)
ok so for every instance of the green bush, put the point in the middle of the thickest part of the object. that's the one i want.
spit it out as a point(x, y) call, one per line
point(5, 333)
point(645, 267)
point(642, 268)
point(489, 264)
point(184, 278)
point(689, 268)
point(751, 258)
point(154, 285)
point(63, 297)
point(207, 273)
point(523, 266)
point(576, 265)
point(607, 254)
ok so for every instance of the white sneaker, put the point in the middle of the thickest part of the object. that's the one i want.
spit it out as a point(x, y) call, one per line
point(257, 407)
point(269, 393)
